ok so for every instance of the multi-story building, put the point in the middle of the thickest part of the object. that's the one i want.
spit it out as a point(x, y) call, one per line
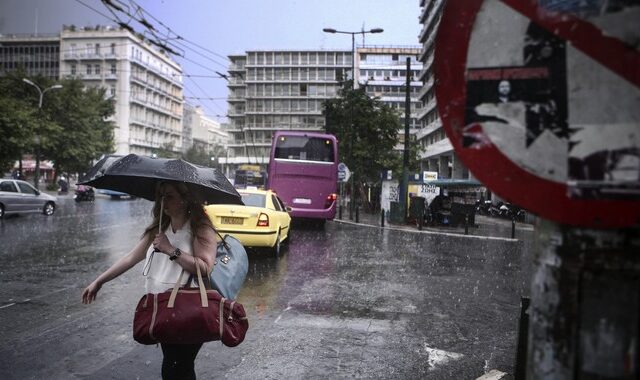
point(35, 54)
point(276, 90)
point(383, 70)
point(146, 84)
point(199, 130)
point(437, 152)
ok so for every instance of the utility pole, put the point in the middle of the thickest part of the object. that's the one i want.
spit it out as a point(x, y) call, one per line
point(36, 174)
point(405, 154)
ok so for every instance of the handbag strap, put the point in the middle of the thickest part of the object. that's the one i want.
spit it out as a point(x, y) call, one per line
point(224, 242)
point(208, 284)
point(203, 294)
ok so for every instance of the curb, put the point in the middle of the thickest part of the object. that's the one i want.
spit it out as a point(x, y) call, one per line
point(427, 232)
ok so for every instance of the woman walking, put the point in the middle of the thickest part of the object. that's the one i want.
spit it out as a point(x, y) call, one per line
point(187, 239)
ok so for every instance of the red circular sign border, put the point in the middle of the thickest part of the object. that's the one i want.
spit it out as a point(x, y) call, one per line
point(541, 196)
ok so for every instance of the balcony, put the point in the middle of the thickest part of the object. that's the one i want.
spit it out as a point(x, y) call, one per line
point(437, 149)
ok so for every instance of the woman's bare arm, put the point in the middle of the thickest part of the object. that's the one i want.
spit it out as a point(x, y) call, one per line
point(125, 263)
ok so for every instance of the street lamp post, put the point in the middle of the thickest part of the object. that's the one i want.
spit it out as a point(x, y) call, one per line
point(353, 79)
point(36, 175)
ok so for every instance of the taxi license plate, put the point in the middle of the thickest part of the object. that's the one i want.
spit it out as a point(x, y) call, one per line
point(229, 220)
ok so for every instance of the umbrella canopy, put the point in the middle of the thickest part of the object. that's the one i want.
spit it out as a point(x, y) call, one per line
point(99, 168)
point(139, 176)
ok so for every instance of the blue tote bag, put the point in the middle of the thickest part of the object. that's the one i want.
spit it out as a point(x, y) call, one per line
point(231, 266)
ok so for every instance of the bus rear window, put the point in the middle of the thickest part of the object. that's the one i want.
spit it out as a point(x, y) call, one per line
point(304, 148)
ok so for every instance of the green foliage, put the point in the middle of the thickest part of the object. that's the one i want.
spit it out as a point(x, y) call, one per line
point(17, 121)
point(167, 151)
point(71, 129)
point(197, 154)
point(79, 131)
point(367, 130)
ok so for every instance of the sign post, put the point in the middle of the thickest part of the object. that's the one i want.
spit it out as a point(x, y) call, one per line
point(541, 100)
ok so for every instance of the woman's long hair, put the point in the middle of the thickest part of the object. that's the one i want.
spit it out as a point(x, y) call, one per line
point(195, 211)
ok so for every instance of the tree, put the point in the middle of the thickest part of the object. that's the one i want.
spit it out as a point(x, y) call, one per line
point(82, 131)
point(367, 130)
point(196, 154)
point(71, 129)
point(17, 119)
point(167, 150)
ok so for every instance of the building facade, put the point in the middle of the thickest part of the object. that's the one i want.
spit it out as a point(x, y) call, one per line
point(146, 84)
point(278, 90)
point(382, 70)
point(437, 152)
point(203, 132)
point(36, 55)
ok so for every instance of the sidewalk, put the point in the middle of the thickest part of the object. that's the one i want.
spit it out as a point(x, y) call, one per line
point(485, 226)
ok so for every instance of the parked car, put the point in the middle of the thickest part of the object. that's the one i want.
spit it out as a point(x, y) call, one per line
point(263, 221)
point(18, 196)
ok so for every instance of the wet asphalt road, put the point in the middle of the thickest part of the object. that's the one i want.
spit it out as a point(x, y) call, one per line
point(344, 302)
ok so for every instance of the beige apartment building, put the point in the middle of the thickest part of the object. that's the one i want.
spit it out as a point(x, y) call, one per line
point(438, 154)
point(145, 83)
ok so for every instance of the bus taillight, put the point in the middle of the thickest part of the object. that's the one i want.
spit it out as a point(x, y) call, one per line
point(330, 199)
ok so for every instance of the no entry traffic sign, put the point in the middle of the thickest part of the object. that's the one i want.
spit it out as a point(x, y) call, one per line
point(542, 103)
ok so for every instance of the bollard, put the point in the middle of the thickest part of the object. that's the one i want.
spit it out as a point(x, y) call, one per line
point(382, 218)
point(466, 224)
point(350, 211)
point(357, 214)
point(340, 212)
point(521, 349)
point(420, 218)
point(513, 228)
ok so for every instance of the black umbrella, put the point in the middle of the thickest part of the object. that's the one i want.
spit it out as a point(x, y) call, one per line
point(99, 168)
point(139, 176)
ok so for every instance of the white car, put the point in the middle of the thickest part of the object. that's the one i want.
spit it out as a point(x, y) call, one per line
point(17, 197)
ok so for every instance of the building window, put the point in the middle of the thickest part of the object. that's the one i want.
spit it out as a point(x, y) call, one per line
point(73, 69)
point(113, 68)
point(97, 69)
point(113, 48)
point(97, 49)
point(88, 69)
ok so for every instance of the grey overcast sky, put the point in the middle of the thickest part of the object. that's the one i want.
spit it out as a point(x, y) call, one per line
point(230, 26)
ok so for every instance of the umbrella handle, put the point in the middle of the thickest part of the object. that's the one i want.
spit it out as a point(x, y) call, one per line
point(161, 212)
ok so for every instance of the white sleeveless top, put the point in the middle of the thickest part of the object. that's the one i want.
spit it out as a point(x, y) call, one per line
point(163, 273)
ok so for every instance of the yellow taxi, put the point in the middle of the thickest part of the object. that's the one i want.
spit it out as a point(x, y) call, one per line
point(263, 221)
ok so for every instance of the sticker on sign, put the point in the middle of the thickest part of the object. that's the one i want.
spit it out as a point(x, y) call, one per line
point(543, 106)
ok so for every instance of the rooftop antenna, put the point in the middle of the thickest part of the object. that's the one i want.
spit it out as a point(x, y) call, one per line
point(36, 23)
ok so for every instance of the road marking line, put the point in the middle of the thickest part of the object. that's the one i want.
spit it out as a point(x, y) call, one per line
point(37, 297)
point(438, 357)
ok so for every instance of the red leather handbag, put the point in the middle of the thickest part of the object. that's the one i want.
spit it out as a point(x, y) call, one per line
point(189, 316)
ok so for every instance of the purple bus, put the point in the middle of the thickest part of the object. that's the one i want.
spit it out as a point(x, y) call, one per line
point(303, 171)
